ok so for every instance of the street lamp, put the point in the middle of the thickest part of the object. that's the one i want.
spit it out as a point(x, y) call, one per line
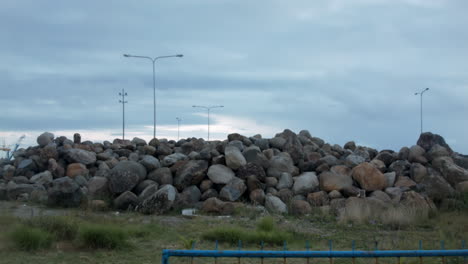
point(153, 60)
point(123, 102)
point(208, 108)
point(178, 126)
point(421, 93)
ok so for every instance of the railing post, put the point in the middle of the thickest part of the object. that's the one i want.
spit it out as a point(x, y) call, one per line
point(239, 247)
point(308, 248)
point(165, 257)
point(420, 248)
point(285, 248)
point(442, 247)
point(463, 247)
point(261, 248)
point(330, 248)
point(354, 248)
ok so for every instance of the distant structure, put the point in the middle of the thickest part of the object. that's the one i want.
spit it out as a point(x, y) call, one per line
point(178, 127)
point(11, 151)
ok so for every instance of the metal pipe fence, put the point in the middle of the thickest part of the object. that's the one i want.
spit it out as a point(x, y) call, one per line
point(443, 256)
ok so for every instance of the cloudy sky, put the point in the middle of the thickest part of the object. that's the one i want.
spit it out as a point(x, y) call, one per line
point(342, 69)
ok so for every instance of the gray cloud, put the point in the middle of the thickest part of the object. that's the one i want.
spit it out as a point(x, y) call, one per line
point(345, 70)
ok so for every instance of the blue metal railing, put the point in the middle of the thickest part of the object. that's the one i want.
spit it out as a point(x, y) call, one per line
point(420, 253)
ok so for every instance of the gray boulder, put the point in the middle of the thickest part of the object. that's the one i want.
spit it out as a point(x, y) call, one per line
point(147, 192)
point(65, 192)
point(435, 186)
point(234, 158)
point(191, 173)
point(353, 160)
point(305, 183)
point(98, 188)
point(44, 178)
point(189, 196)
point(125, 201)
point(150, 162)
point(275, 205)
point(453, 173)
point(81, 156)
point(15, 190)
point(160, 202)
point(173, 158)
point(427, 140)
point(125, 176)
point(44, 139)
point(417, 154)
point(220, 174)
point(279, 164)
point(233, 190)
point(285, 181)
point(277, 142)
point(162, 176)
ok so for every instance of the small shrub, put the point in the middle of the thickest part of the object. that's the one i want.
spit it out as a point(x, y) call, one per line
point(30, 238)
point(225, 234)
point(101, 236)
point(232, 235)
point(62, 227)
point(266, 224)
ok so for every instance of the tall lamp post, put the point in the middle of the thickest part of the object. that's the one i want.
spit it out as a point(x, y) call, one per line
point(123, 102)
point(153, 60)
point(208, 108)
point(421, 94)
point(178, 127)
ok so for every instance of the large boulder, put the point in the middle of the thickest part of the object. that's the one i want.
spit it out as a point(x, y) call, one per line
point(418, 203)
point(173, 158)
point(427, 140)
point(233, 190)
point(318, 199)
point(216, 206)
point(189, 196)
point(435, 186)
point(160, 202)
point(417, 154)
point(65, 192)
point(44, 139)
point(234, 158)
point(98, 188)
point(15, 190)
point(75, 155)
point(305, 183)
point(251, 169)
point(275, 205)
point(191, 173)
point(126, 200)
point(368, 177)
point(279, 164)
point(293, 146)
point(220, 174)
point(299, 207)
point(331, 180)
point(257, 196)
point(453, 173)
point(76, 169)
point(285, 181)
point(150, 162)
point(125, 176)
point(162, 176)
point(44, 178)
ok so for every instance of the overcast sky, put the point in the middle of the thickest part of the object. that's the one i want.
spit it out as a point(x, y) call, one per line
point(342, 69)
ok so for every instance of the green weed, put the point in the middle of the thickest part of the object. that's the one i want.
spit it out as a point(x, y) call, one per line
point(30, 238)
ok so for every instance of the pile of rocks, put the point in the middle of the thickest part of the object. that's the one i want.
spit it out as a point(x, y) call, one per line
point(288, 173)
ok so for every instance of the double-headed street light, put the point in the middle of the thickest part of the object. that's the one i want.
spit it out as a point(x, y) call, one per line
point(208, 108)
point(421, 93)
point(153, 60)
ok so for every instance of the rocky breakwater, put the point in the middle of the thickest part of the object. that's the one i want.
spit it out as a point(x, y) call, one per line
point(290, 173)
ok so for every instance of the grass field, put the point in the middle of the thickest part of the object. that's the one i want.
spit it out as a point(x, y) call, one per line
point(85, 236)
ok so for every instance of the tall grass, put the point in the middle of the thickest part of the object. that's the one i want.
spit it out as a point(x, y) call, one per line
point(30, 238)
point(97, 236)
point(266, 232)
point(62, 227)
